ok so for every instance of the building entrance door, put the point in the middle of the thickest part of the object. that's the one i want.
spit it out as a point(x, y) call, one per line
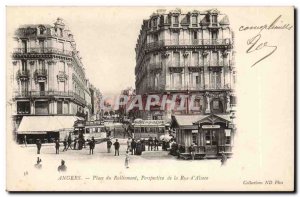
point(211, 141)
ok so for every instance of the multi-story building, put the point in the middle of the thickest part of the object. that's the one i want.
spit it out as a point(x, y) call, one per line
point(186, 53)
point(51, 90)
point(190, 54)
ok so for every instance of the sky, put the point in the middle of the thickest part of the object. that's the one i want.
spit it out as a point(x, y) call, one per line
point(105, 37)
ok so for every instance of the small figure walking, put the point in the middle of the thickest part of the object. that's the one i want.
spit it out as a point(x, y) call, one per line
point(133, 147)
point(127, 159)
point(117, 147)
point(150, 143)
point(109, 143)
point(39, 146)
point(65, 145)
point(57, 146)
point(223, 159)
point(25, 140)
point(192, 151)
point(62, 167)
point(69, 142)
point(92, 146)
point(155, 143)
point(75, 143)
point(38, 164)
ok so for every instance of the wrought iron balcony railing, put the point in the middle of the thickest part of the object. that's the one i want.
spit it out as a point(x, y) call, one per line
point(33, 94)
point(46, 50)
point(187, 42)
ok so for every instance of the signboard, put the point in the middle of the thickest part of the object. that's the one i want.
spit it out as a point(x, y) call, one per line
point(227, 132)
point(149, 122)
point(210, 126)
point(194, 131)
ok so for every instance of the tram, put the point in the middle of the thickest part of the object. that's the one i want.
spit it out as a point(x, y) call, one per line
point(144, 129)
point(90, 129)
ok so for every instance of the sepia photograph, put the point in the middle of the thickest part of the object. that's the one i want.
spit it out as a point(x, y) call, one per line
point(150, 99)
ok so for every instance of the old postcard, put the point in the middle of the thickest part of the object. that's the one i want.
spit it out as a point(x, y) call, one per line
point(150, 99)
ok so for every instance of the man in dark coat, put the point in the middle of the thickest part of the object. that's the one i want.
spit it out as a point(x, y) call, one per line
point(57, 146)
point(150, 143)
point(39, 146)
point(133, 147)
point(109, 143)
point(92, 146)
point(69, 142)
point(117, 147)
point(65, 144)
point(155, 143)
point(75, 143)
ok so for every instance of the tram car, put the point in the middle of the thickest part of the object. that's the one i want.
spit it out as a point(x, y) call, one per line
point(144, 129)
point(89, 129)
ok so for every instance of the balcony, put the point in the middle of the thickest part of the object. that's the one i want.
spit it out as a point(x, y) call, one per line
point(187, 42)
point(47, 50)
point(47, 94)
point(23, 75)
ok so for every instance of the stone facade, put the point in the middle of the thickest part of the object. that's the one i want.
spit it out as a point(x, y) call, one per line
point(48, 74)
point(187, 53)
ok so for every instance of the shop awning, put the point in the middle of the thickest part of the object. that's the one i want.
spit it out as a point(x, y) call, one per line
point(43, 124)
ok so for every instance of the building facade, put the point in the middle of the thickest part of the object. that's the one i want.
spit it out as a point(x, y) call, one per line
point(49, 81)
point(186, 53)
point(191, 54)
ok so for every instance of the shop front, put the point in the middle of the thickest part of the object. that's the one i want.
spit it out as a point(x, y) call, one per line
point(211, 134)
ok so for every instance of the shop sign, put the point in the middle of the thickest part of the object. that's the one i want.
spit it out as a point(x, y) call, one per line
point(210, 126)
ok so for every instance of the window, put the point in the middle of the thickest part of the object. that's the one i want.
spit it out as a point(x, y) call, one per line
point(197, 80)
point(24, 87)
point(194, 20)
point(211, 137)
point(66, 108)
point(215, 59)
point(87, 130)
point(24, 65)
point(214, 19)
point(59, 107)
point(156, 78)
point(216, 104)
point(41, 108)
point(176, 57)
point(195, 57)
point(155, 22)
point(155, 37)
point(175, 20)
point(215, 80)
point(23, 107)
point(195, 35)
point(177, 80)
point(175, 38)
point(214, 35)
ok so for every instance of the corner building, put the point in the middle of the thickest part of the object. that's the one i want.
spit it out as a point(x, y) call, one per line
point(50, 88)
point(190, 54)
point(186, 53)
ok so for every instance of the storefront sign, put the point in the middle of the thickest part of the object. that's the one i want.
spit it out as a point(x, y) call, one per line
point(149, 122)
point(210, 126)
point(194, 131)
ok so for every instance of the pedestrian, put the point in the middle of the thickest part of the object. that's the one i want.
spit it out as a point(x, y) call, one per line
point(155, 143)
point(57, 146)
point(127, 159)
point(192, 150)
point(117, 147)
point(92, 146)
point(133, 147)
point(109, 143)
point(75, 143)
point(39, 146)
point(150, 143)
point(38, 164)
point(223, 158)
point(129, 144)
point(25, 140)
point(65, 144)
point(69, 142)
point(62, 167)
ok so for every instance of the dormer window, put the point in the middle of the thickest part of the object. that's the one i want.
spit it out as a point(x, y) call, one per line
point(154, 22)
point(42, 29)
point(175, 20)
point(194, 21)
point(214, 19)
